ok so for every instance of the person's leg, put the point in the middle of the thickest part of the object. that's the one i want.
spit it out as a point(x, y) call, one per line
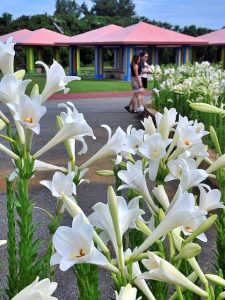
point(134, 102)
point(129, 106)
point(140, 101)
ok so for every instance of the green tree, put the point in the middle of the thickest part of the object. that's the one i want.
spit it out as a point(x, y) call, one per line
point(104, 7)
point(125, 8)
point(64, 7)
point(5, 23)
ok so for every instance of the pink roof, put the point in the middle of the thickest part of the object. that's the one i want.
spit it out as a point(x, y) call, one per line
point(92, 36)
point(41, 37)
point(215, 37)
point(16, 35)
point(138, 34)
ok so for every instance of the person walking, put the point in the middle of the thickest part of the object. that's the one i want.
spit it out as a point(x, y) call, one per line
point(136, 84)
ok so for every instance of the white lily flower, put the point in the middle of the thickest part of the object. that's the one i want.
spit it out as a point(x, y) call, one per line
point(188, 137)
point(135, 179)
point(75, 245)
point(61, 184)
point(67, 131)
point(56, 80)
point(140, 283)
point(134, 137)
point(185, 170)
point(179, 213)
point(149, 125)
point(41, 290)
point(189, 228)
point(7, 54)
point(197, 150)
point(71, 116)
point(154, 149)
point(161, 270)
point(28, 112)
point(11, 89)
point(161, 196)
point(126, 293)
point(210, 200)
point(102, 219)
point(114, 146)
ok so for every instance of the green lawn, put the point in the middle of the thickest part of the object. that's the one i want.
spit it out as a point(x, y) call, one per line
point(84, 85)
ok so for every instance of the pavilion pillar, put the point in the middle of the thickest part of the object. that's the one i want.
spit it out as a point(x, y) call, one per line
point(223, 56)
point(186, 54)
point(154, 56)
point(127, 58)
point(99, 62)
point(57, 54)
point(74, 60)
point(116, 59)
point(178, 56)
point(193, 54)
point(30, 60)
point(39, 54)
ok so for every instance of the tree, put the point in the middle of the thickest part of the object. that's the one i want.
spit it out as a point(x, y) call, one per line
point(126, 9)
point(104, 8)
point(5, 22)
point(64, 7)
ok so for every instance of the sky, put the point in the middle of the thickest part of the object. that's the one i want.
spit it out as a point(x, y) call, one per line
point(202, 13)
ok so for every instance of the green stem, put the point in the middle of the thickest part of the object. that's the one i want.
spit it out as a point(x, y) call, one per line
point(7, 138)
point(179, 293)
point(11, 244)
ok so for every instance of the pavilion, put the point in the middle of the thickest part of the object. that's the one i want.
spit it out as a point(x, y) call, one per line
point(35, 40)
point(128, 41)
point(216, 38)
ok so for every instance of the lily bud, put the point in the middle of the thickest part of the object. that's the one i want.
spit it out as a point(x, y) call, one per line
point(2, 124)
point(204, 107)
point(113, 208)
point(161, 196)
point(143, 228)
point(20, 74)
point(8, 152)
point(190, 250)
point(218, 164)
point(164, 127)
point(106, 173)
point(34, 91)
point(216, 279)
point(221, 295)
point(4, 118)
point(149, 125)
point(215, 140)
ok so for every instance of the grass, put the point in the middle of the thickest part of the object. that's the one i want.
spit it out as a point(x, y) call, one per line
point(85, 85)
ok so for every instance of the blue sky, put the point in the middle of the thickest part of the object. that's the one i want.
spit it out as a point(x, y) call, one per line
point(204, 13)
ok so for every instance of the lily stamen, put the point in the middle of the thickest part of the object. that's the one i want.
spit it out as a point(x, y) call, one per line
point(28, 119)
point(82, 253)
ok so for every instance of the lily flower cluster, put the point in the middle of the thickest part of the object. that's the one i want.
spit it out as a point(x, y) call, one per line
point(170, 150)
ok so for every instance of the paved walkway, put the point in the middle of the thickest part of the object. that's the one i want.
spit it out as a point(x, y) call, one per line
point(93, 95)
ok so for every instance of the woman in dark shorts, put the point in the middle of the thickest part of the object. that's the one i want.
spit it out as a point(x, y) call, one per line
point(136, 84)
